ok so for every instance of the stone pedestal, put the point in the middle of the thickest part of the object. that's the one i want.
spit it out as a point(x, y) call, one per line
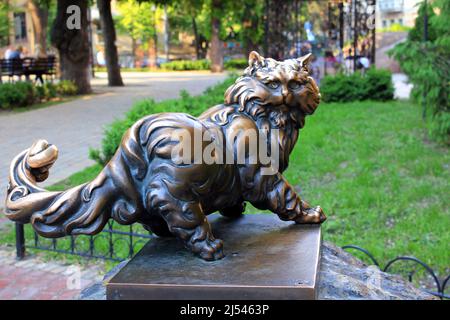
point(265, 258)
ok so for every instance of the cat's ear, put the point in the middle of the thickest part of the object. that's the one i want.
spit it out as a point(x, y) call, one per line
point(255, 59)
point(305, 60)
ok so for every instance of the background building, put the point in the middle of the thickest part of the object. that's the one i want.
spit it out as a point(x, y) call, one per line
point(391, 12)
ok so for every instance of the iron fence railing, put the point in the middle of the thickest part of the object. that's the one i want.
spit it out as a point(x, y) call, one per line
point(113, 243)
point(123, 242)
point(439, 284)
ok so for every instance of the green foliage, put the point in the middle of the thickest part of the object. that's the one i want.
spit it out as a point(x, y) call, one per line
point(375, 84)
point(427, 65)
point(179, 65)
point(46, 92)
point(137, 19)
point(66, 88)
point(395, 27)
point(5, 24)
point(17, 94)
point(193, 105)
point(22, 94)
point(182, 15)
point(233, 64)
point(245, 18)
point(417, 32)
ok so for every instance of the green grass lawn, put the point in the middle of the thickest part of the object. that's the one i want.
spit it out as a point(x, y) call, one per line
point(382, 184)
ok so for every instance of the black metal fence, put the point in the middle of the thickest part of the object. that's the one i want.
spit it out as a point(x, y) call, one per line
point(118, 243)
point(115, 243)
point(411, 271)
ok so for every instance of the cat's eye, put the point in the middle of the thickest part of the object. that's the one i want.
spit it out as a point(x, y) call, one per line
point(294, 85)
point(273, 84)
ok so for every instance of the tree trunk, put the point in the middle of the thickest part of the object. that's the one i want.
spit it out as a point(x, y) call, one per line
point(39, 18)
point(249, 25)
point(277, 25)
point(153, 46)
point(152, 52)
point(133, 51)
point(216, 44)
point(197, 38)
point(109, 39)
point(166, 33)
point(73, 42)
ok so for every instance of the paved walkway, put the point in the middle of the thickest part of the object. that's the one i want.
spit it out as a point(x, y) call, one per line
point(34, 279)
point(77, 125)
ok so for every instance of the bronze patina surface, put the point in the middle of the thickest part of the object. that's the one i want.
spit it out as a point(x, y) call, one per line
point(147, 182)
point(266, 259)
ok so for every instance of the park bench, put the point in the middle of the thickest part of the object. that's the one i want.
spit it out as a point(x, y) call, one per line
point(26, 67)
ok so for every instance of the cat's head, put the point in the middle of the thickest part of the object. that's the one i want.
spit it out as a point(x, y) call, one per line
point(276, 83)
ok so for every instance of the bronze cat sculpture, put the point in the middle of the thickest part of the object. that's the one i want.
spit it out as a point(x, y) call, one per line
point(145, 182)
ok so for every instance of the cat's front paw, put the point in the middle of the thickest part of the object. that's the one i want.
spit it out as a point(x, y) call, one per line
point(311, 216)
point(209, 249)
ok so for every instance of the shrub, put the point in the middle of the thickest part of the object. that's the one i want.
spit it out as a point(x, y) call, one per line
point(17, 94)
point(427, 64)
point(194, 105)
point(395, 27)
point(50, 91)
point(21, 94)
point(236, 64)
point(376, 84)
point(181, 65)
point(40, 93)
point(66, 88)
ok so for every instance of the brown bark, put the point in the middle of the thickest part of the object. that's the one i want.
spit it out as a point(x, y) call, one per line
point(216, 44)
point(39, 18)
point(133, 51)
point(250, 23)
point(277, 24)
point(152, 52)
point(73, 45)
point(197, 38)
point(153, 46)
point(109, 39)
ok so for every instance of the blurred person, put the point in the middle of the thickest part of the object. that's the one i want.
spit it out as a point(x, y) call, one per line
point(364, 63)
point(100, 56)
point(15, 54)
point(315, 69)
point(24, 53)
point(349, 62)
point(305, 48)
point(8, 52)
point(330, 62)
point(293, 53)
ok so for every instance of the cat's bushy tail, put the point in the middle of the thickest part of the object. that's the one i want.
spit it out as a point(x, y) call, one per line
point(83, 209)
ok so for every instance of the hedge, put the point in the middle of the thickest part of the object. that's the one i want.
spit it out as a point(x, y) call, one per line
point(179, 65)
point(22, 94)
point(375, 84)
point(235, 64)
point(193, 105)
